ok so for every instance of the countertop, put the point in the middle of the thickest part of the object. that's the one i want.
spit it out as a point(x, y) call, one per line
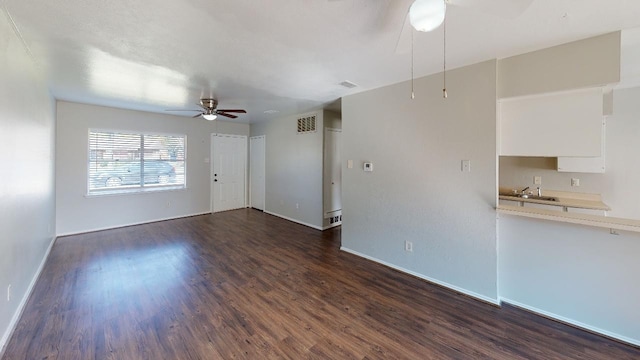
point(574, 218)
point(562, 202)
point(567, 200)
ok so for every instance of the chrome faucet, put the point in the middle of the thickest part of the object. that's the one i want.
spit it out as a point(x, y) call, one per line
point(539, 191)
point(523, 190)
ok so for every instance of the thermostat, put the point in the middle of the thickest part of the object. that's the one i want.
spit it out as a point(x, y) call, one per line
point(368, 166)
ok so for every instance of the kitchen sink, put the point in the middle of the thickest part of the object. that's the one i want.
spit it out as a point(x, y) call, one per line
point(536, 197)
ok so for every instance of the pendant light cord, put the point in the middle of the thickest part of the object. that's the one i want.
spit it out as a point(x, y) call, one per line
point(413, 95)
point(444, 58)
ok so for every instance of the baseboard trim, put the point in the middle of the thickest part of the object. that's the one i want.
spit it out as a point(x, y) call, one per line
point(427, 278)
point(332, 225)
point(571, 322)
point(131, 224)
point(23, 302)
point(294, 220)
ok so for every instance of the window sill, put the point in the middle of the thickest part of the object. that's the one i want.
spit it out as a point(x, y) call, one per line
point(135, 191)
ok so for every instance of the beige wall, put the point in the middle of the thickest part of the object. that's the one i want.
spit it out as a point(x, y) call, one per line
point(580, 64)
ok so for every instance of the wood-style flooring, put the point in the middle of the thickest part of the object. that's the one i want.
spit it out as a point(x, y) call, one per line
point(246, 285)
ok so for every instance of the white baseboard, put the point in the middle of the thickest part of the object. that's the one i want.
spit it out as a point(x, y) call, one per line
point(131, 224)
point(572, 322)
point(294, 220)
point(424, 277)
point(23, 302)
point(338, 223)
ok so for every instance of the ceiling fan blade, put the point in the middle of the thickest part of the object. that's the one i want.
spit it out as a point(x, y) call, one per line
point(181, 110)
point(509, 9)
point(233, 110)
point(227, 115)
point(195, 116)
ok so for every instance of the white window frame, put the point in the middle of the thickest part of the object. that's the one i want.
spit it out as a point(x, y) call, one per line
point(140, 189)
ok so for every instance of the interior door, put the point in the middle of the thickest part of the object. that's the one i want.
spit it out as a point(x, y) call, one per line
point(333, 171)
point(257, 171)
point(228, 172)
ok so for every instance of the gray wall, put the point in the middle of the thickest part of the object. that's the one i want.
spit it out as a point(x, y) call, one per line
point(417, 191)
point(27, 209)
point(293, 170)
point(78, 213)
point(578, 274)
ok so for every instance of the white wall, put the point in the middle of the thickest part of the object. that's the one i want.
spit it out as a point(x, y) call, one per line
point(293, 170)
point(27, 209)
point(417, 191)
point(579, 274)
point(78, 213)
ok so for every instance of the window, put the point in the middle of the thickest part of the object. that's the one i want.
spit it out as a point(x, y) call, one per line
point(124, 163)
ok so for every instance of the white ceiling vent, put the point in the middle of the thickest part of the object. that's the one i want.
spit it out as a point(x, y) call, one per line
point(307, 124)
point(348, 84)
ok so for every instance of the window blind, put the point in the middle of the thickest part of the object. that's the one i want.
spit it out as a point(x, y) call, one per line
point(130, 162)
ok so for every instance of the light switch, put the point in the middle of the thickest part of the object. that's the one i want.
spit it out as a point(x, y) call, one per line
point(466, 166)
point(537, 180)
point(349, 164)
point(575, 182)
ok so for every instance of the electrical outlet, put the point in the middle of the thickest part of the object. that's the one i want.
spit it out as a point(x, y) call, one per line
point(537, 180)
point(408, 246)
point(466, 166)
point(9, 292)
point(575, 182)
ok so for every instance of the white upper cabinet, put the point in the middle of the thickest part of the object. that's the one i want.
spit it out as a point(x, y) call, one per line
point(585, 164)
point(567, 124)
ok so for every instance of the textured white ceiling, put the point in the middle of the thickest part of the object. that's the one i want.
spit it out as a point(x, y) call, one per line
point(284, 55)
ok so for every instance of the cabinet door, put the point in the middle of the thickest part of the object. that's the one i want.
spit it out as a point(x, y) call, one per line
point(585, 164)
point(552, 125)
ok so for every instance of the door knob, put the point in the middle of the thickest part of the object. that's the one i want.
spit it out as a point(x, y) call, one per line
point(215, 180)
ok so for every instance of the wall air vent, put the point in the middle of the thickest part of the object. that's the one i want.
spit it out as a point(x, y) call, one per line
point(307, 124)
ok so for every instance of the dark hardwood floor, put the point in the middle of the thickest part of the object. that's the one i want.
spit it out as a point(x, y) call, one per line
point(245, 285)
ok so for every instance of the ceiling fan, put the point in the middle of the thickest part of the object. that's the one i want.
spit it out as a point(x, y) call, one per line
point(210, 112)
point(426, 15)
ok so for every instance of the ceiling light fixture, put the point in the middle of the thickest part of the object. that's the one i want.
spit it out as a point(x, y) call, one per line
point(427, 15)
point(209, 117)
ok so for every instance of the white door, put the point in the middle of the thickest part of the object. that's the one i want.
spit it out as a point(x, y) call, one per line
point(257, 171)
point(228, 172)
point(333, 171)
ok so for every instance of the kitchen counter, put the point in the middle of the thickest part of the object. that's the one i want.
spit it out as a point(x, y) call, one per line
point(574, 218)
point(565, 199)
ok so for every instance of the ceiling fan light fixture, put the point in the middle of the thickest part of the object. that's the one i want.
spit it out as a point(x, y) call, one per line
point(209, 117)
point(427, 15)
